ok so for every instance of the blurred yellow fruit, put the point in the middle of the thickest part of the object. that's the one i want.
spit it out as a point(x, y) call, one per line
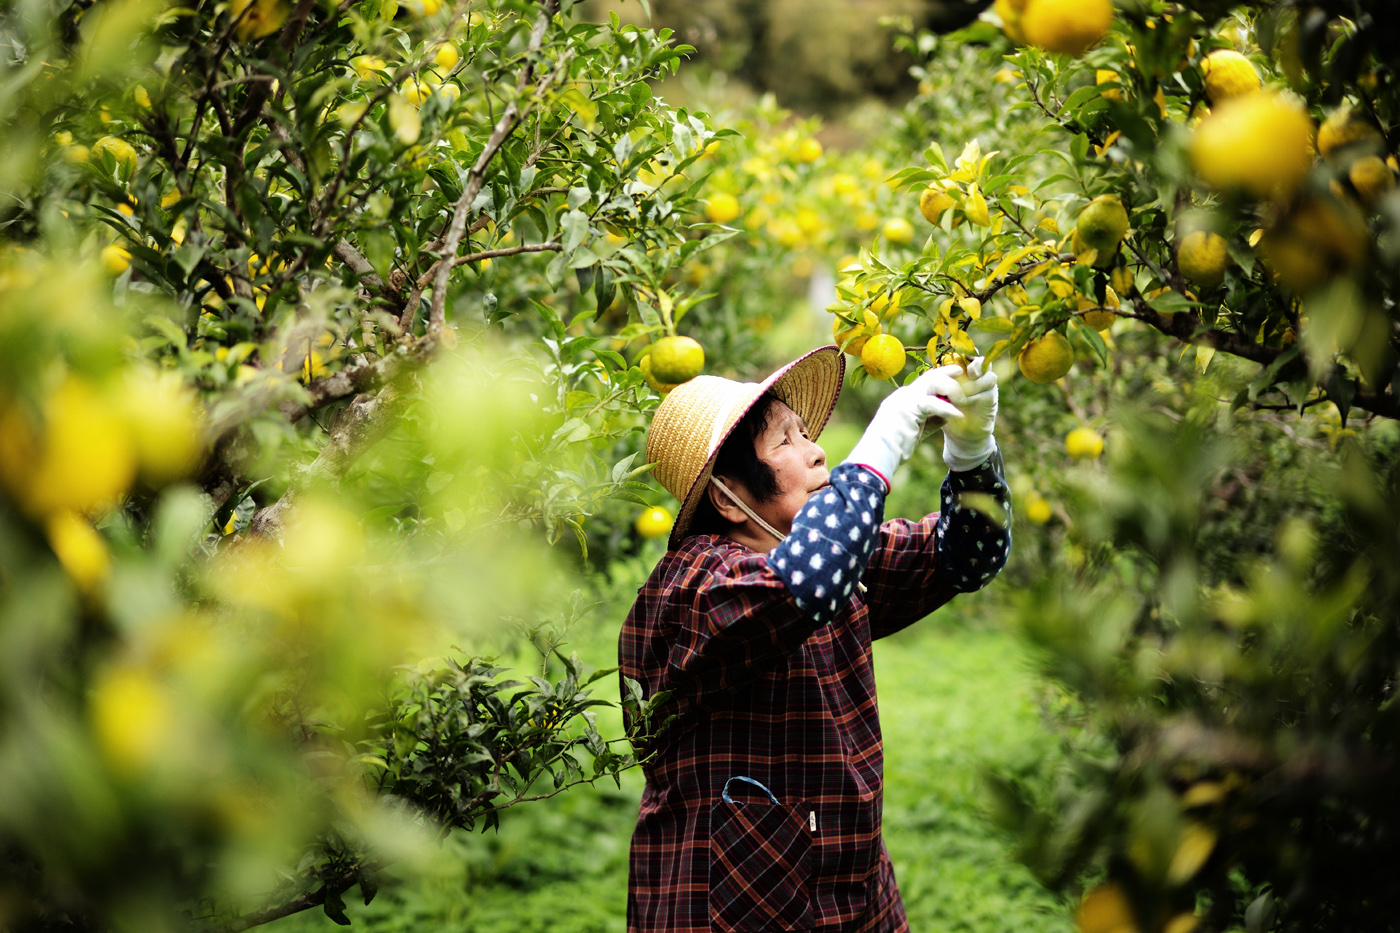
point(722, 208)
point(447, 56)
point(1228, 74)
point(676, 359)
point(369, 67)
point(1346, 128)
point(1202, 257)
point(809, 150)
point(1070, 27)
point(1083, 443)
point(1046, 358)
point(933, 202)
point(254, 19)
point(122, 151)
point(163, 416)
point(1371, 178)
point(115, 259)
point(1011, 12)
point(1037, 509)
point(132, 718)
point(1105, 909)
point(85, 459)
point(899, 231)
point(143, 99)
point(1107, 76)
point(857, 334)
point(1320, 237)
point(1102, 224)
point(883, 356)
point(79, 548)
point(655, 522)
point(416, 91)
point(1261, 142)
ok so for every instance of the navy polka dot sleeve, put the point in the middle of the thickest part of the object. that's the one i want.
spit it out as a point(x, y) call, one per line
point(974, 525)
point(832, 537)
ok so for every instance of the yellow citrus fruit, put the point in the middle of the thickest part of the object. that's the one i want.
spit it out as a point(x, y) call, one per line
point(86, 459)
point(254, 19)
point(1371, 178)
point(883, 356)
point(1083, 443)
point(1107, 76)
point(416, 91)
point(899, 231)
point(676, 359)
point(722, 208)
point(1046, 358)
point(1345, 128)
point(79, 548)
point(133, 717)
point(1318, 238)
point(1102, 224)
point(1121, 279)
point(857, 334)
point(1071, 27)
point(654, 522)
point(661, 387)
point(885, 307)
point(122, 151)
point(1261, 143)
point(1202, 257)
point(115, 259)
point(368, 67)
point(163, 417)
point(1037, 509)
point(809, 150)
point(1010, 12)
point(1228, 74)
point(933, 202)
point(1096, 316)
point(447, 56)
point(1106, 910)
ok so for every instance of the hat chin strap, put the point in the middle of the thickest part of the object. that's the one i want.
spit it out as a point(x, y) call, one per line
point(743, 507)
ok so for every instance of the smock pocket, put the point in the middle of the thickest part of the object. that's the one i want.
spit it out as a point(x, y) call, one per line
point(760, 860)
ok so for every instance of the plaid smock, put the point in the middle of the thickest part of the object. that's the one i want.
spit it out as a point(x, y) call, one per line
point(762, 804)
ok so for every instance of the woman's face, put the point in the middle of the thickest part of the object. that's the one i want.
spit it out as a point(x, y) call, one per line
point(797, 462)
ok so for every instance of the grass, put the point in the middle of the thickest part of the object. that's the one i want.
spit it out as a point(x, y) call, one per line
point(954, 696)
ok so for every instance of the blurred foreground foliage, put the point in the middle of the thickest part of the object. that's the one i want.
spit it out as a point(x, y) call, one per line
point(254, 551)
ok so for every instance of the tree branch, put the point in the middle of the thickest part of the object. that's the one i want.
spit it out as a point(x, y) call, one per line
point(506, 125)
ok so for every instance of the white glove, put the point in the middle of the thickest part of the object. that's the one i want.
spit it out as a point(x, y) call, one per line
point(893, 432)
point(967, 438)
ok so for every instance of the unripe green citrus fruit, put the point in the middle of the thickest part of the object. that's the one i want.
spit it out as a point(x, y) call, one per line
point(1046, 358)
point(1202, 257)
point(676, 359)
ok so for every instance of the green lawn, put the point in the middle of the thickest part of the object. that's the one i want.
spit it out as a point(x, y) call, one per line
point(954, 696)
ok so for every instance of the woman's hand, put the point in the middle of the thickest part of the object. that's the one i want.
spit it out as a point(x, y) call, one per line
point(967, 438)
point(893, 432)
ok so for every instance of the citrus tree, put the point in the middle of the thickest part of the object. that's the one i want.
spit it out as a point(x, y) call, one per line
point(1201, 240)
point(301, 378)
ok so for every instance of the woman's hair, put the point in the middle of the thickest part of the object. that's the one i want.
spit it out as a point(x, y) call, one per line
point(738, 460)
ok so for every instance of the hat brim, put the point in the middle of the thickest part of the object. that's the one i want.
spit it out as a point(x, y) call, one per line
point(809, 385)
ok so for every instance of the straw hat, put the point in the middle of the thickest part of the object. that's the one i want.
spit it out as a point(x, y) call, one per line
point(695, 419)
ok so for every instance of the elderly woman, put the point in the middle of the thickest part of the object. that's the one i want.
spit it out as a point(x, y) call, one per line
point(764, 786)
